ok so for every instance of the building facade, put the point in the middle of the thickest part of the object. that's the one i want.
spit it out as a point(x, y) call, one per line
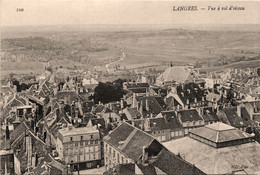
point(80, 147)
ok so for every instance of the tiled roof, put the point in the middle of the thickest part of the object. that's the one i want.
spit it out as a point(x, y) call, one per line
point(18, 131)
point(100, 121)
point(129, 140)
point(189, 115)
point(175, 74)
point(134, 112)
point(208, 115)
point(220, 132)
point(99, 109)
point(137, 85)
point(138, 90)
point(171, 120)
point(213, 160)
point(155, 104)
point(171, 164)
point(233, 118)
point(245, 116)
point(72, 96)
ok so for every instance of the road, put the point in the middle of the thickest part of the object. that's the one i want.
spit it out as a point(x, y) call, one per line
point(123, 57)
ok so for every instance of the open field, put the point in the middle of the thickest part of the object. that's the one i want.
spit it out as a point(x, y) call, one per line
point(86, 49)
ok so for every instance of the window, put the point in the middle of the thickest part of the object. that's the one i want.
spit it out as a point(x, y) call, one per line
point(96, 141)
point(118, 158)
point(71, 139)
point(122, 159)
point(162, 131)
point(109, 150)
point(81, 137)
point(114, 153)
point(76, 144)
point(86, 143)
point(91, 142)
point(91, 136)
point(81, 143)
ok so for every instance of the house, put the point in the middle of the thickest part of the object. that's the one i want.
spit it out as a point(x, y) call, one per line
point(232, 117)
point(173, 123)
point(190, 119)
point(67, 97)
point(6, 153)
point(116, 106)
point(212, 148)
point(16, 105)
point(148, 105)
point(130, 145)
point(175, 75)
point(208, 114)
point(28, 148)
point(79, 147)
point(185, 96)
point(102, 111)
point(132, 113)
point(140, 89)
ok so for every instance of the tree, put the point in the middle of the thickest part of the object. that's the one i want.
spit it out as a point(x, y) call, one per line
point(108, 92)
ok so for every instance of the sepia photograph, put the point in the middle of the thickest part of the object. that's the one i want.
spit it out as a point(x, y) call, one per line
point(129, 87)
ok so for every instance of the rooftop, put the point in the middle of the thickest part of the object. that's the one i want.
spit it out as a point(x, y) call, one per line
point(216, 161)
point(220, 132)
point(78, 131)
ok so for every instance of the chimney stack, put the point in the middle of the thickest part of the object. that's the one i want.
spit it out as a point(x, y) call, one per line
point(144, 156)
point(122, 104)
point(239, 110)
point(146, 105)
point(134, 101)
point(141, 108)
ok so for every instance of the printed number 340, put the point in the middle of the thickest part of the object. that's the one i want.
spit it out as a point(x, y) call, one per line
point(19, 10)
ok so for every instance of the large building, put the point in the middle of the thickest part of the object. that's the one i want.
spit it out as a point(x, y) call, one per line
point(80, 147)
point(130, 145)
point(219, 149)
point(175, 75)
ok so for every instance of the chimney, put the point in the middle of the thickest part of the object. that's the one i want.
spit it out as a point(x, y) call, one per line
point(147, 124)
point(76, 113)
point(239, 110)
point(141, 108)
point(200, 110)
point(144, 156)
point(134, 100)
point(27, 101)
point(195, 100)
point(122, 104)
point(146, 105)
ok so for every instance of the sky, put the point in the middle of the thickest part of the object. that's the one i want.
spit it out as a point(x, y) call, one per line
point(63, 12)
